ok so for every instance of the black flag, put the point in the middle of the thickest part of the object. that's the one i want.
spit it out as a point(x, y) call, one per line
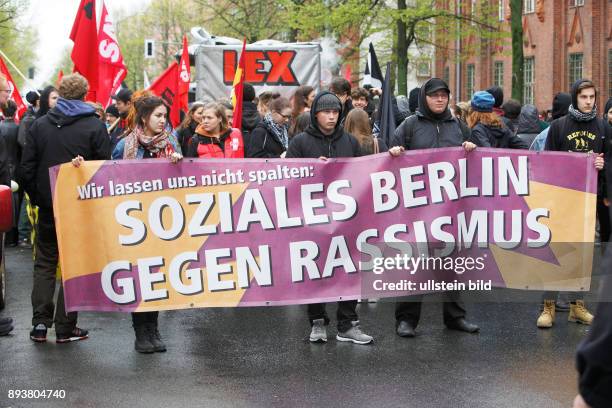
point(372, 75)
point(387, 119)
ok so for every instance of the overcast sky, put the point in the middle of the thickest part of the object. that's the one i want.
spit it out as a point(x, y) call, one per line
point(53, 19)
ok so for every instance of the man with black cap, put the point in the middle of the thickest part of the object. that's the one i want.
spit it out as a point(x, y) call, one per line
point(325, 138)
point(123, 103)
point(432, 126)
point(580, 131)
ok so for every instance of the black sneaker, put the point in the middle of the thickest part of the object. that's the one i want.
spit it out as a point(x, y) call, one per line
point(75, 335)
point(6, 325)
point(39, 333)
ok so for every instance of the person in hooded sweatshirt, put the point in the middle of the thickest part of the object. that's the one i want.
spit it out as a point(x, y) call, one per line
point(528, 127)
point(70, 131)
point(324, 138)
point(413, 100)
point(561, 104)
point(579, 131)
point(487, 128)
point(431, 127)
point(607, 115)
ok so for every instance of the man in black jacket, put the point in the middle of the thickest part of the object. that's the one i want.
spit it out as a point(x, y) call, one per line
point(9, 131)
point(70, 131)
point(325, 138)
point(578, 131)
point(431, 127)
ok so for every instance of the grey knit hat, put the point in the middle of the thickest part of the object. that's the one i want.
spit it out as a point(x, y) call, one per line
point(327, 101)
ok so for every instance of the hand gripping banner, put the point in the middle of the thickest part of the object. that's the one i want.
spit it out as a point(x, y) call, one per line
point(151, 235)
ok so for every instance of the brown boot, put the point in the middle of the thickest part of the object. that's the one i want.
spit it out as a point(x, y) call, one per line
point(547, 317)
point(579, 314)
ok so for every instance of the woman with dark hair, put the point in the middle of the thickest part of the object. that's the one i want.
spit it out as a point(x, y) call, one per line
point(214, 137)
point(487, 128)
point(270, 137)
point(48, 99)
point(148, 139)
point(302, 100)
point(300, 124)
point(264, 99)
point(357, 123)
point(186, 130)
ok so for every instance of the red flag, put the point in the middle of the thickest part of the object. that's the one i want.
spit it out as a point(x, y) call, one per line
point(348, 73)
point(14, 92)
point(166, 86)
point(184, 75)
point(84, 34)
point(111, 70)
point(238, 89)
point(60, 75)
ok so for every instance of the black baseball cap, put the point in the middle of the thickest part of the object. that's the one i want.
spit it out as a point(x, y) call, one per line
point(124, 95)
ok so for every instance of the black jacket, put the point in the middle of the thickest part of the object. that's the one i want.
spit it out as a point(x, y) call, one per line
point(5, 177)
point(314, 144)
point(24, 125)
point(184, 136)
point(9, 131)
point(594, 359)
point(426, 130)
point(500, 137)
point(70, 129)
point(569, 135)
point(528, 127)
point(250, 119)
point(264, 143)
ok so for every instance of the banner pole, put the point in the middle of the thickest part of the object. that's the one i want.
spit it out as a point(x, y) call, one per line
point(16, 69)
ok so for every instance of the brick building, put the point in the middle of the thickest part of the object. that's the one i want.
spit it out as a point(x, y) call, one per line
point(564, 40)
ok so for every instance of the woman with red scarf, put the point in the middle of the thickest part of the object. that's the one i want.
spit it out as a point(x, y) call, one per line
point(148, 140)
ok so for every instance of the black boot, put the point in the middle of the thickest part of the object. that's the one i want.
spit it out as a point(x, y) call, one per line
point(143, 344)
point(155, 338)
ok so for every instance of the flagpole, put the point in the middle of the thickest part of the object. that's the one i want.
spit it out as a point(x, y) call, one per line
point(15, 68)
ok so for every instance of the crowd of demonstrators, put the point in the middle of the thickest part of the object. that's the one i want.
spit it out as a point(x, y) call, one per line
point(433, 126)
point(487, 128)
point(148, 139)
point(214, 137)
point(270, 137)
point(69, 129)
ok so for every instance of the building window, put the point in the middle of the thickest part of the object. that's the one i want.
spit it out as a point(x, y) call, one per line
point(471, 71)
point(528, 79)
point(498, 74)
point(575, 68)
point(528, 6)
point(446, 75)
point(501, 12)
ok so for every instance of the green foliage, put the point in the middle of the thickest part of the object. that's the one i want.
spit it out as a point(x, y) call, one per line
point(16, 43)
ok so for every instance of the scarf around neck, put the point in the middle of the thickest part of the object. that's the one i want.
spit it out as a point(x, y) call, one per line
point(157, 144)
point(581, 116)
point(280, 132)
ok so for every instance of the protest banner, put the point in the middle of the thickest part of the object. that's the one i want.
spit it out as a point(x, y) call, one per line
point(151, 235)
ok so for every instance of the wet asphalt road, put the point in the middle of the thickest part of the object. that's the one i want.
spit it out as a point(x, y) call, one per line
point(260, 357)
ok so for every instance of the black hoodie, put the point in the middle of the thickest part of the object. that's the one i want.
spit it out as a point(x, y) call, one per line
point(528, 124)
point(250, 119)
point(567, 134)
point(500, 137)
point(314, 144)
point(68, 130)
point(426, 129)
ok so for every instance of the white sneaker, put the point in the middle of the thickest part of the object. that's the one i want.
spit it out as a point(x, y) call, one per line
point(318, 334)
